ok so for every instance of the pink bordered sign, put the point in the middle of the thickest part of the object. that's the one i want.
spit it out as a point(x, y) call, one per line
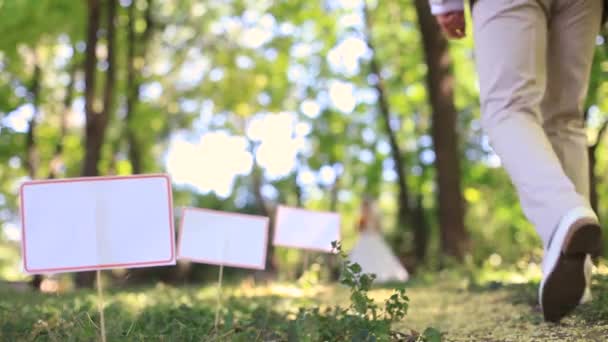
point(96, 223)
point(225, 239)
point(306, 229)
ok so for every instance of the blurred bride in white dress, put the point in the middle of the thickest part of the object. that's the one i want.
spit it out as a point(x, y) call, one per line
point(371, 252)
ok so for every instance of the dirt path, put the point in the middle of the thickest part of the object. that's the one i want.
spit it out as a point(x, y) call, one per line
point(503, 313)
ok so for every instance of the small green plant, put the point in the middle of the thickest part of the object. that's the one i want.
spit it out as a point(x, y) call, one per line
point(363, 319)
point(395, 307)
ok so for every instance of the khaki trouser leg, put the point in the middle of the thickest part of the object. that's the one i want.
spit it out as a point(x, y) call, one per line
point(573, 28)
point(512, 41)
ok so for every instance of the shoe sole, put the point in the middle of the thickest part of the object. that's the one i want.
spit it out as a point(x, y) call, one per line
point(565, 286)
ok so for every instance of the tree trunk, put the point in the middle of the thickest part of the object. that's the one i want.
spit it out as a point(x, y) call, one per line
point(93, 123)
point(421, 230)
point(32, 158)
point(108, 94)
point(266, 210)
point(31, 150)
point(440, 82)
point(593, 179)
point(405, 209)
point(96, 118)
point(134, 69)
point(334, 193)
point(331, 260)
point(593, 196)
point(56, 161)
point(592, 149)
point(299, 193)
point(132, 93)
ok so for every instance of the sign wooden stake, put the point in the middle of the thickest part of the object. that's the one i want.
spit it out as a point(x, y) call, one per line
point(305, 262)
point(223, 239)
point(219, 285)
point(219, 297)
point(100, 305)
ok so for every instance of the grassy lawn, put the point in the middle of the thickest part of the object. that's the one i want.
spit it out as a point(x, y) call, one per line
point(463, 310)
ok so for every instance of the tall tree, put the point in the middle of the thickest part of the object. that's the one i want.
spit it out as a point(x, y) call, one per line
point(405, 209)
point(97, 112)
point(32, 158)
point(440, 84)
point(136, 56)
point(265, 208)
point(593, 178)
point(57, 159)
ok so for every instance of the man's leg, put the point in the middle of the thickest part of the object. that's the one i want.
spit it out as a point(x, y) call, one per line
point(573, 28)
point(511, 53)
point(511, 46)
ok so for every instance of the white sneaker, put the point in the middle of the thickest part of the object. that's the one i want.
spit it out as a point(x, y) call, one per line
point(564, 282)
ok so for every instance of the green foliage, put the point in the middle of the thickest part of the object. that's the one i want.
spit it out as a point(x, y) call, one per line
point(30, 22)
point(177, 314)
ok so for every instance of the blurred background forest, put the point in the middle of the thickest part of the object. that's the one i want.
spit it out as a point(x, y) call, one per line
point(251, 104)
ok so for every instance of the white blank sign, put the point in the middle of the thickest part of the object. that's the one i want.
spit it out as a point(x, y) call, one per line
point(306, 229)
point(97, 223)
point(219, 238)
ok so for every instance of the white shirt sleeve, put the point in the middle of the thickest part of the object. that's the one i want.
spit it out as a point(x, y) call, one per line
point(446, 6)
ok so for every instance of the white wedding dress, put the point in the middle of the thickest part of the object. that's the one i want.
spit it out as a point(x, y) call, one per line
point(375, 256)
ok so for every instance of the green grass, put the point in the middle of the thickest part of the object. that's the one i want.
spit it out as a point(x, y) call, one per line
point(463, 307)
point(165, 313)
point(161, 313)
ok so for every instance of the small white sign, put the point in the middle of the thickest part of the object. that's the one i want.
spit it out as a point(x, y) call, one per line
point(305, 229)
point(97, 223)
point(220, 238)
